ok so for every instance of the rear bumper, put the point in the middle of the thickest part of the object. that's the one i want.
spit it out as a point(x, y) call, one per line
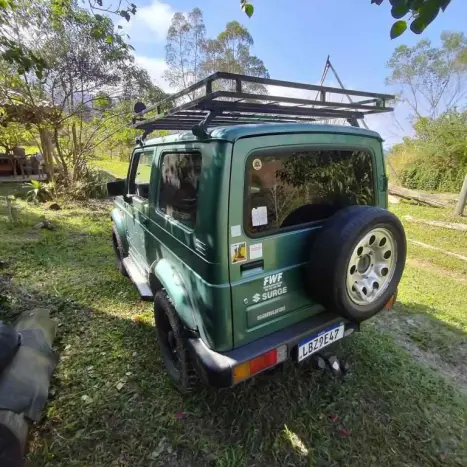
point(216, 368)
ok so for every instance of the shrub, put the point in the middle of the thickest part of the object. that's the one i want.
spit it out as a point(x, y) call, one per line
point(433, 175)
point(91, 184)
point(38, 192)
point(436, 158)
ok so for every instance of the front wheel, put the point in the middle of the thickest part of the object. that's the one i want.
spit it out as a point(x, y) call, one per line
point(119, 252)
point(172, 343)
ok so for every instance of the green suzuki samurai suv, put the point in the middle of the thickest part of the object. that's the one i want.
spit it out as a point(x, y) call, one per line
point(260, 233)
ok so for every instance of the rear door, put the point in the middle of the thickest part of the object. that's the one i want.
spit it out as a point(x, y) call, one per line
point(280, 196)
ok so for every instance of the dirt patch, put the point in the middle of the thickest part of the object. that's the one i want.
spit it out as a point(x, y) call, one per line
point(419, 263)
point(402, 327)
point(431, 247)
point(444, 225)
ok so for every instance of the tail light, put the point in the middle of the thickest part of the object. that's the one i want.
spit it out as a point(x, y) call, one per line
point(262, 362)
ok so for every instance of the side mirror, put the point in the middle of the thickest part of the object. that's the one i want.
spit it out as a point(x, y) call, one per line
point(139, 107)
point(116, 188)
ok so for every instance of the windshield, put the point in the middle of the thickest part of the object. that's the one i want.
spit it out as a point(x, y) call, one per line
point(293, 188)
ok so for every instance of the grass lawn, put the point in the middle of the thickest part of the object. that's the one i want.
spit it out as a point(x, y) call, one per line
point(118, 169)
point(111, 403)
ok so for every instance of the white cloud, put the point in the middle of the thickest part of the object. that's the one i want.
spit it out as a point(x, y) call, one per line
point(150, 24)
point(155, 67)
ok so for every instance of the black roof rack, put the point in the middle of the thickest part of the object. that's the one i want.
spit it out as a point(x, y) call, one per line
point(200, 106)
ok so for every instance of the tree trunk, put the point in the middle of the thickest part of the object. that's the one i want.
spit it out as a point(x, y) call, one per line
point(60, 155)
point(462, 199)
point(414, 195)
point(75, 143)
point(47, 153)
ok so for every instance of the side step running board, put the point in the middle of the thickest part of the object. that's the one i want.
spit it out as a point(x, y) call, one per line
point(138, 279)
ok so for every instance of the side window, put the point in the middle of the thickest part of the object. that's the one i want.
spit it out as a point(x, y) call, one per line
point(294, 188)
point(178, 196)
point(140, 174)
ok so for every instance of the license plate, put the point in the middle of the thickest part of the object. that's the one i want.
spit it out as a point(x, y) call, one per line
point(324, 338)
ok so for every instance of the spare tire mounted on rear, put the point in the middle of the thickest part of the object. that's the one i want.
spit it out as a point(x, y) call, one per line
point(357, 261)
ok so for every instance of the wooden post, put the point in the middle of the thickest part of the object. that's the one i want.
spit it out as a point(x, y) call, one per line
point(462, 199)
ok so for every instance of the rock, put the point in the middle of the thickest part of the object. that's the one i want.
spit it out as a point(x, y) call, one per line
point(44, 225)
point(54, 207)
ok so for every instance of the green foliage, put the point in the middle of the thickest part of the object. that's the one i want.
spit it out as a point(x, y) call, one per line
point(440, 153)
point(191, 57)
point(247, 7)
point(231, 52)
point(91, 81)
point(331, 177)
point(421, 13)
point(17, 53)
point(38, 193)
point(13, 134)
point(91, 184)
point(184, 50)
point(432, 175)
point(398, 28)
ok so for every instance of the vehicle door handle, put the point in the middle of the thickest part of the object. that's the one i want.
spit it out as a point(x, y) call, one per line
point(145, 220)
point(252, 267)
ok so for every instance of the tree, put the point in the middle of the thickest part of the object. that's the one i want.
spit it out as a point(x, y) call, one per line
point(421, 13)
point(25, 58)
point(230, 52)
point(13, 135)
point(88, 75)
point(184, 51)
point(431, 80)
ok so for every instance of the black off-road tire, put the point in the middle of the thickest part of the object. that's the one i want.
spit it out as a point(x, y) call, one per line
point(119, 251)
point(331, 252)
point(172, 343)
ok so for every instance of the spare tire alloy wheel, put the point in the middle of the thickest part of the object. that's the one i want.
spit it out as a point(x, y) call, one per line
point(356, 262)
point(371, 266)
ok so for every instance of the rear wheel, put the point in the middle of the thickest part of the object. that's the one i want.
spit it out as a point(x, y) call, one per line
point(172, 343)
point(119, 252)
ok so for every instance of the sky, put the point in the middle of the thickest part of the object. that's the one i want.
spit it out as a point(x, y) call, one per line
point(294, 37)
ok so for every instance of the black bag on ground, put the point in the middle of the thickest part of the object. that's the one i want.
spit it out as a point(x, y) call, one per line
point(9, 343)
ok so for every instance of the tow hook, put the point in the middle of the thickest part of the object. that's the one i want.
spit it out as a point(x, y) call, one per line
point(337, 367)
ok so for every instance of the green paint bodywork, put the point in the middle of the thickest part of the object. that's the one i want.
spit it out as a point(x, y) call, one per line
point(212, 295)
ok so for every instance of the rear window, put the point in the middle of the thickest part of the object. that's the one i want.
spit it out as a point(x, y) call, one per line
point(293, 188)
